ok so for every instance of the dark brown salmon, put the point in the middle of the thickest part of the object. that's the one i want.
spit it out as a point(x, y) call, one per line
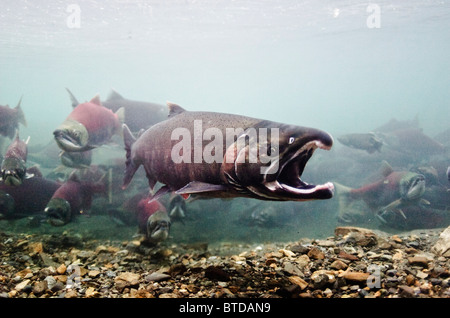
point(225, 155)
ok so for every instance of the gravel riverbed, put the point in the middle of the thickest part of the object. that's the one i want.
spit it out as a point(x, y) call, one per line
point(354, 263)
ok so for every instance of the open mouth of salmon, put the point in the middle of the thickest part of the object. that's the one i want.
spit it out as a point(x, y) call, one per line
point(68, 140)
point(58, 212)
point(12, 177)
point(72, 136)
point(158, 232)
point(13, 171)
point(416, 188)
point(289, 183)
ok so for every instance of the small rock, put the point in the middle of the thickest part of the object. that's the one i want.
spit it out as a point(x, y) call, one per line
point(142, 293)
point(421, 275)
point(271, 261)
point(156, 277)
point(316, 253)
point(292, 269)
point(39, 287)
point(51, 281)
point(299, 249)
point(436, 281)
point(47, 260)
point(298, 281)
point(91, 293)
point(128, 279)
point(22, 285)
point(71, 294)
point(398, 256)
point(35, 248)
point(23, 273)
point(57, 287)
point(360, 236)
point(177, 269)
point(396, 238)
point(214, 272)
point(328, 293)
point(419, 261)
point(168, 295)
point(356, 276)
point(330, 275)
point(406, 291)
point(442, 246)
point(93, 273)
point(347, 256)
point(61, 269)
point(410, 280)
point(85, 254)
point(302, 261)
point(325, 243)
point(319, 281)
point(338, 264)
point(287, 253)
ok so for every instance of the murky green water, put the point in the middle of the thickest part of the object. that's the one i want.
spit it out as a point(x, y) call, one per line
point(344, 67)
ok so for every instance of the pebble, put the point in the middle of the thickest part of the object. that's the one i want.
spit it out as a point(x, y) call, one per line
point(298, 281)
point(442, 246)
point(418, 260)
point(356, 276)
point(61, 269)
point(338, 264)
point(316, 253)
point(156, 277)
point(22, 285)
point(91, 293)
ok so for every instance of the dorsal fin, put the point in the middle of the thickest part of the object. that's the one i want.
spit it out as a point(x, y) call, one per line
point(114, 95)
point(386, 168)
point(20, 115)
point(73, 99)
point(174, 109)
point(96, 100)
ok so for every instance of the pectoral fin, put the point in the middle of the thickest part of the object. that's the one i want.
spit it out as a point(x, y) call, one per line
point(393, 205)
point(199, 187)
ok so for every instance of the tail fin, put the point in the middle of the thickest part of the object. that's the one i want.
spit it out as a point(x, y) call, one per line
point(20, 115)
point(343, 196)
point(350, 209)
point(343, 193)
point(130, 167)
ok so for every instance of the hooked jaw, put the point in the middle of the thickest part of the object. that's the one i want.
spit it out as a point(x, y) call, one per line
point(58, 212)
point(13, 171)
point(157, 229)
point(288, 184)
point(72, 136)
point(415, 188)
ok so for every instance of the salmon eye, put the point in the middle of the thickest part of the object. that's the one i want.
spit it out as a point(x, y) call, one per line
point(291, 140)
point(76, 134)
